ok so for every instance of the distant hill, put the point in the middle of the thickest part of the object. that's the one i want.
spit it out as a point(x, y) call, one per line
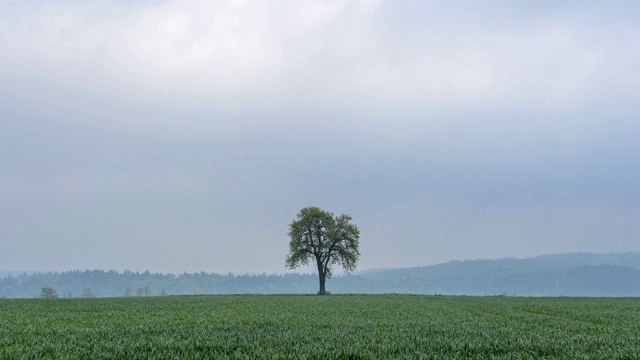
point(573, 274)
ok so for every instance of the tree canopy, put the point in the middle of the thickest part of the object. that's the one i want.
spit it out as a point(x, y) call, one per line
point(317, 235)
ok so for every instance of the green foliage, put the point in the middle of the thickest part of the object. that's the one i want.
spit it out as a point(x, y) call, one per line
point(310, 327)
point(319, 236)
point(48, 293)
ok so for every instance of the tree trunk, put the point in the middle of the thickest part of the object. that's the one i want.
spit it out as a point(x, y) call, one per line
point(322, 277)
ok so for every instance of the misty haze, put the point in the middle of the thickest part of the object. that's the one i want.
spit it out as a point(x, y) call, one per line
point(184, 136)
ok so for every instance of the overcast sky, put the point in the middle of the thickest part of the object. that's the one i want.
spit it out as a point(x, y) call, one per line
point(185, 136)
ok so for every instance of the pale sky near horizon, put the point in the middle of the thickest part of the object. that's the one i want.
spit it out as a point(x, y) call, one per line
point(176, 136)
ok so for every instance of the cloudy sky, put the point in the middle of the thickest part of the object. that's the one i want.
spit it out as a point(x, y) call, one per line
point(185, 136)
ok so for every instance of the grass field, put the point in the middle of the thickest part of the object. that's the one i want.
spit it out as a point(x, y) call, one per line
point(313, 327)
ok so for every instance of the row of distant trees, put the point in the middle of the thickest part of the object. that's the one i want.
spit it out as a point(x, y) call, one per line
point(143, 291)
point(601, 280)
point(113, 283)
point(50, 293)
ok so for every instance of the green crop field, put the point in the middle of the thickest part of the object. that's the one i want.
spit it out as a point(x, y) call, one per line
point(315, 327)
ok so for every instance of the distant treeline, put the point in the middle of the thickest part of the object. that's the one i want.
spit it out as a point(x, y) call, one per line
point(553, 275)
point(113, 283)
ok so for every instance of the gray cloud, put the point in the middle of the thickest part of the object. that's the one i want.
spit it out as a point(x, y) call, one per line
point(184, 136)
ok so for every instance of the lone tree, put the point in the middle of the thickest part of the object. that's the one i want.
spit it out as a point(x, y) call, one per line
point(318, 235)
point(48, 293)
